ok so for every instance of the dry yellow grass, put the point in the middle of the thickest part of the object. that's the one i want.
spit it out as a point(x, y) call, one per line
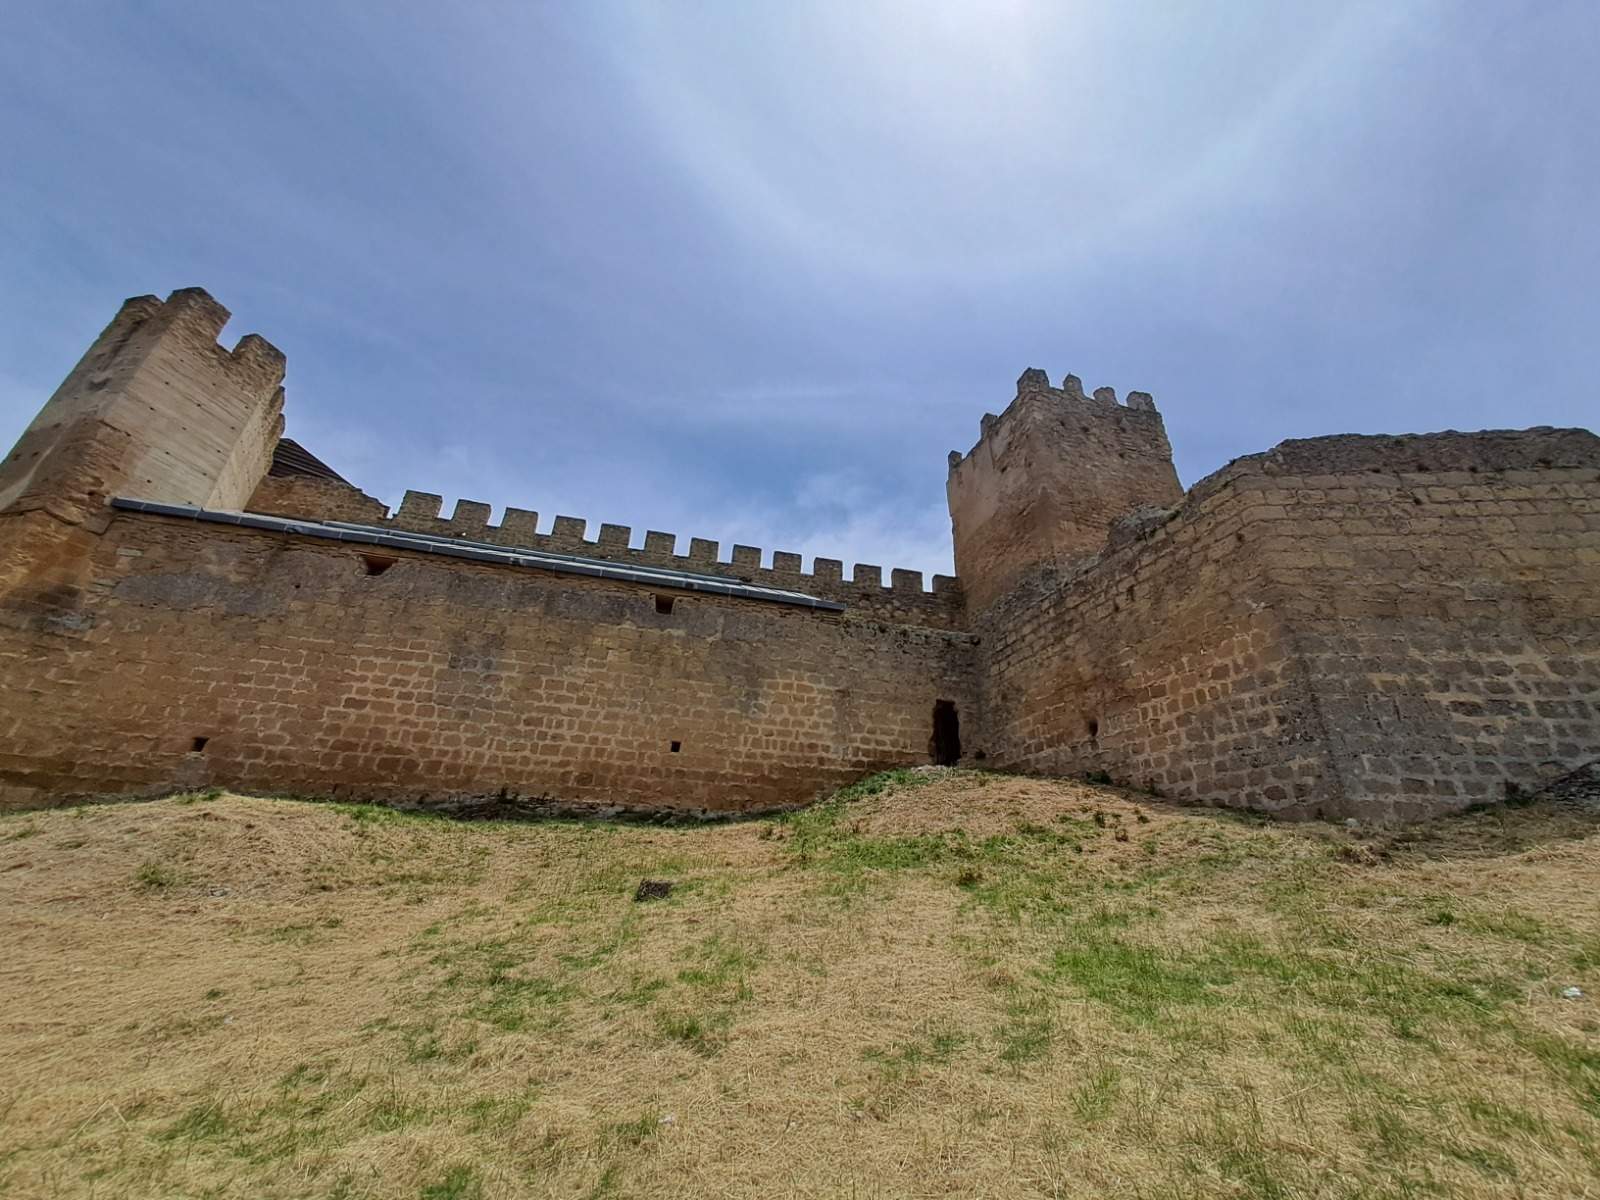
point(944, 984)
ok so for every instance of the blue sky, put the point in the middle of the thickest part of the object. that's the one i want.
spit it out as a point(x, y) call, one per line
point(749, 271)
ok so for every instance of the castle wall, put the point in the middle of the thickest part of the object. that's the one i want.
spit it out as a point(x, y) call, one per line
point(1159, 664)
point(1349, 626)
point(1373, 627)
point(317, 498)
point(1445, 596)
point(901, 599)
point(439, 680)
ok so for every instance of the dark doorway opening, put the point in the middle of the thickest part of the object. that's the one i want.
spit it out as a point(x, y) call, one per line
point(945, 745)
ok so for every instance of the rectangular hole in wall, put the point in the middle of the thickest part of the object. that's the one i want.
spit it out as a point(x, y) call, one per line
point(377, 564)
point(677, 746)
point(198, 745)
point(663, 604)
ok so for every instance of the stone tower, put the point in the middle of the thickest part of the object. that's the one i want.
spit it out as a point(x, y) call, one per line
point(155, 409)
point(1047, 479)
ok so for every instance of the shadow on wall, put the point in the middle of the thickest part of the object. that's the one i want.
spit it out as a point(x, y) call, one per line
point(945, 745)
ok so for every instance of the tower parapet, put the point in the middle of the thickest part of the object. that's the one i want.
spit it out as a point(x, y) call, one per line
point(1047, 479)
point(155, 409)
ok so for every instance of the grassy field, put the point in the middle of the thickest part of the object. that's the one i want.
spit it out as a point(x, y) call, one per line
point(938, 984)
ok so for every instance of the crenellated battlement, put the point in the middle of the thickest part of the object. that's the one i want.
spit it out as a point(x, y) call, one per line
point(1034, 389)
point(903, 598)
point(1048, 476)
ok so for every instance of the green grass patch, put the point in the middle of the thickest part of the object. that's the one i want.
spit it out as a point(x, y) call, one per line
point(492, 980)
point(158, 876)
point(718, 962)
point(704, 1033)
point(203, 1122)
point(1137, 981)
point(393, 1110)
point(633, 1134)
point(1096, 1096)
point(1027, 1032)
point(1576, 1063)
point(380, 814)
point(460, 1182)
point(936, 1045)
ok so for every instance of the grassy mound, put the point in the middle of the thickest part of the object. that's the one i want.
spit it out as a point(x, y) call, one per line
point(938, 983)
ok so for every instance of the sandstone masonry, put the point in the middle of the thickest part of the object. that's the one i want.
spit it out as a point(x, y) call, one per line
point(1350, 626)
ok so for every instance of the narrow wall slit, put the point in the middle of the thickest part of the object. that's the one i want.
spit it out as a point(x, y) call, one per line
point(945, 745)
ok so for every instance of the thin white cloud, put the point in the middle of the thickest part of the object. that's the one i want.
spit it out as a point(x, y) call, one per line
point(962, 142)
point(749, 271)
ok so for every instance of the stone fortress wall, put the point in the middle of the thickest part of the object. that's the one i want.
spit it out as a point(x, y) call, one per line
point(903, 598)
point(202, 655)
point(1349, 626)
point(144, 652)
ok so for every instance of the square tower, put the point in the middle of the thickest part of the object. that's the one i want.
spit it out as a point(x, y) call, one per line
point(155, 409)
point(1048, 478)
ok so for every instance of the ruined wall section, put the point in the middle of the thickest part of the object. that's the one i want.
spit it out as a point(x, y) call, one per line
point(1445, 596)
point(901, 599)
point(1047, 479)
point(206, 655)
point(155, 408)
point(1358, 626)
